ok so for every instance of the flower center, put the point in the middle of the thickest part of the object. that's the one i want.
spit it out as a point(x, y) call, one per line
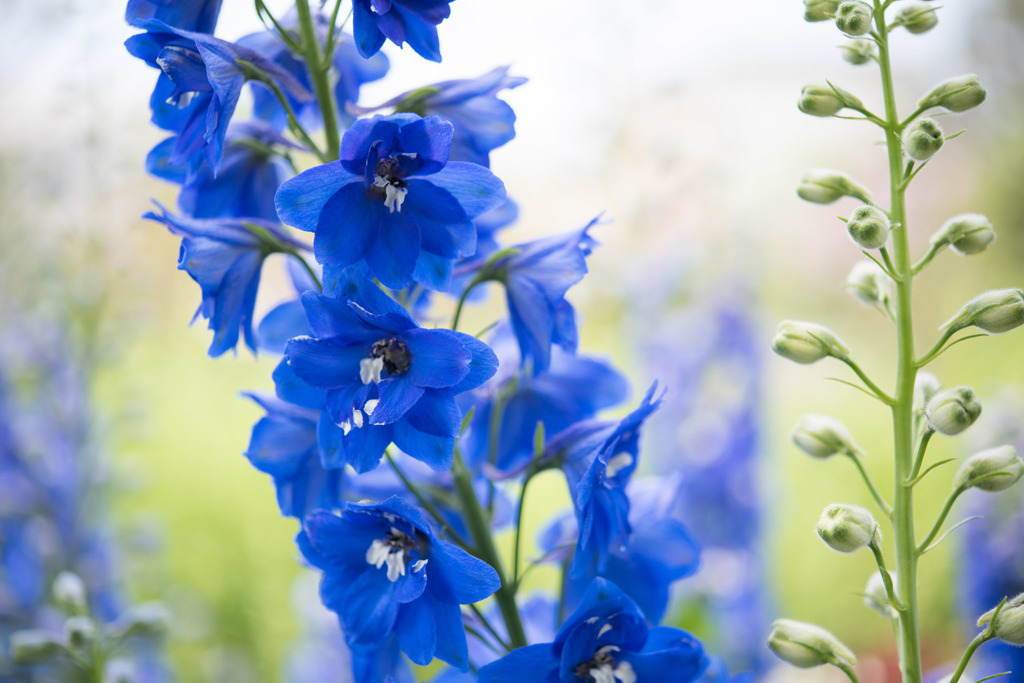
point(602, 668)
point(393, 550)
point(385, 177)
point(393, 353)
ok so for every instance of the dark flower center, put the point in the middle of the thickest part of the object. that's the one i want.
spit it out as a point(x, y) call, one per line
point(394, 353)
point(399, 540)
point(388, 169)
point(600, 658)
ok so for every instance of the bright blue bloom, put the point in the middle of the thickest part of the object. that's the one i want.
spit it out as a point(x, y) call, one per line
point(191, 15)
point(385, 572)
point(387, 379)
point(400, 21)
point(225, 257)
point(605, 639)
point(393, 201)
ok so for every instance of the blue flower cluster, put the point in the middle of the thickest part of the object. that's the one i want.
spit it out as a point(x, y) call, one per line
point(404, 213)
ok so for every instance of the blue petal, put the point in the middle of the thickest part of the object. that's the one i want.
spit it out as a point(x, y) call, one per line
point(430, 139)
point(445, 228)
point(348, 227)
point(439, 358)
point(410, 586)
point(369, 38)
point(397, 396)
point(437, 452)
point(422, 37)
point(364, 447)
point(416, 630)
point(301, 199)
point(392, 258)
point(285, 321)
point(370, 611)
point(433, 271)
point(531, 664)
point(451, 634)
point(482, 367)
point(324, 364)
point(458, 577)
point(290, 388)
point(330, 318)
point(475, 188)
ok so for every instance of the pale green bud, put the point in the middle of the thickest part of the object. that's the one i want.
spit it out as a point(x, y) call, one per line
point(995, 312)
point(1009, 625)
point(847, 528)
point(805, 343)
point(69, 592)
point(952, 410)
point(806, 645)
point(925, 386)
point(876, 598)
point(869, 226)
point(917, 18)
point(858, 51)
point(33, 646)
point(968, 233)
point(979, 470)
point(824, 100)
point(957, 94)
point(821, 436)
point(824, 186)
point(820, 10)
point(854, 17)
point(148, 619)
point(922, 139)
point(80, 631)
point(869, 285)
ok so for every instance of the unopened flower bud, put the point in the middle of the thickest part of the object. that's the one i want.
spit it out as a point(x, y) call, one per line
point(806, 343)
point(33, 646)
point(69, 592)
point(824, 186)
point(821, 436)
point(820, 10)
point(858, 51)
point(806, 645)
point(968, 233)
point(952, 410)
point(922, 139)
point(925, 386)
point(876, 598)
point(148, 619)
point(79, 631)
point(853, 17)
point(869, 285)
point(1009, 625)
point(957, 94)
point(995, 312)
point(994, 469)
point(847, 528)
point(917, 18)
point(869, 226)
point(823, 100)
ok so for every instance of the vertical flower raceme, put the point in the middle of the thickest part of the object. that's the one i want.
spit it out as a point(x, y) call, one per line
point(400, 21)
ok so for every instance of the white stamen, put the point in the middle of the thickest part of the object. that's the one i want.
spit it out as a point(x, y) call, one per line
point(396, 565)
point(378, 553)
point(394, 196)
point(604, 630)
point(603, 674)
point(624, 672)
point(370, 406)
point(593, 620)
point(369, 369)
point(357, 418)
point(382, 553)
point(617, 463)
point(346, 427)
point(418, 565)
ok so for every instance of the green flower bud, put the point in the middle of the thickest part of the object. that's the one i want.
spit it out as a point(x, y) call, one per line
point(33, 646)
point(806, 645)
point(854, 17)
point(80, 631)
point(957, 94)
point(69, 592)
point(824, 186)
point(821, 436)
point(869, 285)
point(917, 18)
point(1009, 625)
point(869, 226)
point(858, 51)
point(847, 528)
point(820, 10)
point(823, 100)
point(952, 410)
point(979, 470)
point(922, 139)
point(806, 343)
point(995, 312)
point(925, 386)
point(968, 233)
point(148, 619)
point(876, 598)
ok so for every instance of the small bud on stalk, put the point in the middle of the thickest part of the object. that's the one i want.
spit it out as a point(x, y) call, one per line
point(922, 139)
point(33, 646)
point(917, 18)
point(957, 94)
point(995, 312)
point(925, 386)
point(824, 186)
point(858, 51)
point(854, 18)
point(824, 100)
point(806, 645)
point(807, 343)
point(968, 233)
point(847, 528)
point(820, 10)
point(1009, 624)
point(995, 469)
point(147, 620)
point(821, 436)
point(69, 593)
point(869, 285)
point(869, 227)
point(952, 410)
point(80, 631)
point(876, 598)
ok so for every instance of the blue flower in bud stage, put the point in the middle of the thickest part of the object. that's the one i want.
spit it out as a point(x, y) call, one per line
point(400, 21)
point(385, 572)
point(384, 374)
point(393, 201)
point(605, 640)
point(191, 15)
point(225, 256)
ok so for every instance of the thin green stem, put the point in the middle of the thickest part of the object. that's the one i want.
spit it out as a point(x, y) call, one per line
point(846, 669)
point(939, 350)
point(933, 250)
point(490, 629)
point(519, 531)
point(887, 259)
point(875, 493)
point(933, 466)
point(890, 589)
point(462, 302)
point(940, 520)
point(922, 446)
point(881, 395)
point(425, 503)
point(332, 35)
point(935, 350)
point(978, 641)
point(309, 268)
point(318, 75)
point(263, 11)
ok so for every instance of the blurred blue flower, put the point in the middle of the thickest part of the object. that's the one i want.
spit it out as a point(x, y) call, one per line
point(191, 15)
point(400, 21)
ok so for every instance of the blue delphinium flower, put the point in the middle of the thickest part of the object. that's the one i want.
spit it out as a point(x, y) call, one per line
point(400, 21)
point(386, 572)
point(393, 201)
point(387, 379)
point(225, 256)
point(191, 15)
point(605, 639)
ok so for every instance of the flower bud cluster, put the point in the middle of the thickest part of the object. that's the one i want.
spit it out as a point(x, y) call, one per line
point(854, 17)
point(869, 227)
point(922, 139)
point(848, 528)
point(952, 410)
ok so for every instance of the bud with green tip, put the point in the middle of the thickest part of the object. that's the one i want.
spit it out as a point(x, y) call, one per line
point(820, 10)
point(806, 343)
point(995, 312)
point(149, 619)
point(824, 186)
point(995, 469)
point(1009, 624)
point(917, 18)
point(922, 139)
point(952, 410)
point(821, 436)
point(34, 646)
point(847, 528)
point(806, 645)
point(957, 94)
point(80, 631)
point(968, 233)
point(869, 285)
point(69, 593)
point(869, 226)
point(876, 597)
point(824, 100)
point(853, 17)
point(858, 51)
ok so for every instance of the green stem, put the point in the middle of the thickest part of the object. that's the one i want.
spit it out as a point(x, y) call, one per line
point(922, 446)
point(978, 641)
point(519, 531)
point(937, 349)
point(309, 268)
point(881, 395)
point(932, 251)
point(318, 75)
point(426, 504)
point(875, 493)
point(846, 669)
point(490, 629)
point(937, 526)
